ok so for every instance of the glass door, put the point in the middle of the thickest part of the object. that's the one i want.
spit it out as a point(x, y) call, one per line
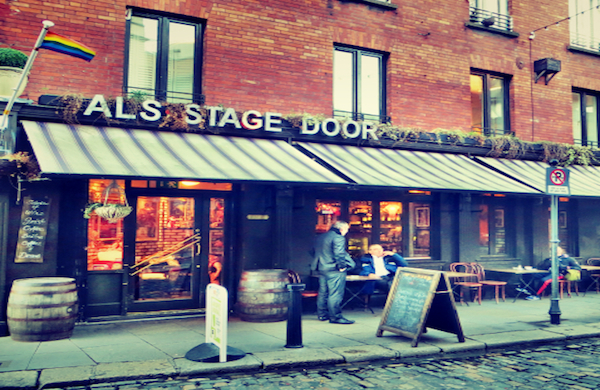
point(167, 250)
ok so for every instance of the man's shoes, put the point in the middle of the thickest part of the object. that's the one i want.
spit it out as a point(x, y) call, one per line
point(323, 318)
point(522, 290)
point(341, 320)
point(532, 298)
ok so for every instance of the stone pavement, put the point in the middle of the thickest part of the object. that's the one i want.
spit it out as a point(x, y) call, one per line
point(102, 352)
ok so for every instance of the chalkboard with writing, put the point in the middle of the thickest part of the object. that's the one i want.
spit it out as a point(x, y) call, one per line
point(34, 227)
point(419, 299)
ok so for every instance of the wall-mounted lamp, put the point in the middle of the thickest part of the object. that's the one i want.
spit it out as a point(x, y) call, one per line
point(547, 67)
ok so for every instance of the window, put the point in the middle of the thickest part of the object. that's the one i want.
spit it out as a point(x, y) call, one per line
point(489, 104)
point(164, 56)
point(585, 119)
point(403, 227)
point(492, 229)
point(358, 84)
point(585, 24)
point(490, 14)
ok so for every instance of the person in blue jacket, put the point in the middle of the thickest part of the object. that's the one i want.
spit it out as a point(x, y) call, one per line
point(380, 263)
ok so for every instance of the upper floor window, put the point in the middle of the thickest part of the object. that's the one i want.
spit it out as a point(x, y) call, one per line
point(585, 118)
point(585, 24)
point(164, 57)
point(358, 84)
point(489, 104)
point(490, 13)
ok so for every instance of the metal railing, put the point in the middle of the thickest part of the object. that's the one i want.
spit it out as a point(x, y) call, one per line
point(585, 42)
point(491, 132)
point(161, 95)
point(579, 142)
point(358, 116)
point(490, 19)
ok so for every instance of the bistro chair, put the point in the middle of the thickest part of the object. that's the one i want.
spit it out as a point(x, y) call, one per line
point(294, 278)
point(470, 282)
point(595, 275)
point(561, 287)
point(497, 284)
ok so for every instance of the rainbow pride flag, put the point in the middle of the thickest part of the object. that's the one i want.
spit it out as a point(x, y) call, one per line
point(67, 46)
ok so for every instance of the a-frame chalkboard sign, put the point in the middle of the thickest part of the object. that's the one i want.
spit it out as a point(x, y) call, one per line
point(420, 299)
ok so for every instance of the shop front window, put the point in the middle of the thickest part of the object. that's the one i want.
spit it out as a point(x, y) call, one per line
point(105, 239)
point(328, 211)
point(390, 216)
point(563, 225)
point(492, 230)
point(361, 224)
point(419, 230)
point(216, 254)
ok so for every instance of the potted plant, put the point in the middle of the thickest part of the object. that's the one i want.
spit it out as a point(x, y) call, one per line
point(12, 63)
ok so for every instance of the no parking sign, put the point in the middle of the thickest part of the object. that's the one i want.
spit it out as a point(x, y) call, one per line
point(557, 181)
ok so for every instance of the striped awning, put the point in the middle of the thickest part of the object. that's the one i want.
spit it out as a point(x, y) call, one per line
point(110, 151)
point(583, 181)
point(412, 169)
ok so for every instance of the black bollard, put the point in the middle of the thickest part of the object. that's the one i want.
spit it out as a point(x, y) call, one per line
point(294, 323)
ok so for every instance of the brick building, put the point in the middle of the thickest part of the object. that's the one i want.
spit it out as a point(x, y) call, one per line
point(377, 74)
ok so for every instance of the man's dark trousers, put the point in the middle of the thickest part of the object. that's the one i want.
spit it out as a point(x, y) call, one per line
point(332, 285)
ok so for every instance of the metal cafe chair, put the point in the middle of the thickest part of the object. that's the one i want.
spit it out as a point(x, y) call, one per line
point(497, 284)
point(595, 275)
point(470, 282)
point(294, 278)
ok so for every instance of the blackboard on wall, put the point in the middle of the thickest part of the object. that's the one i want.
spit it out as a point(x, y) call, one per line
point(420, 299)
point(33, 230)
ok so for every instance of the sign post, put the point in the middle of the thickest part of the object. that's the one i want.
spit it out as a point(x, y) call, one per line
point(557, 183)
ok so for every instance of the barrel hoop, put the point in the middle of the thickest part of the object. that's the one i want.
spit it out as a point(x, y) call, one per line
point(43, 292)
point(13, 305)
point(41, 319)
point(54, 284)
point(262, 291)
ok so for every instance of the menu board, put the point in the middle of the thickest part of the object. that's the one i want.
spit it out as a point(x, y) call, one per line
point(33, 230)
point(419, 299)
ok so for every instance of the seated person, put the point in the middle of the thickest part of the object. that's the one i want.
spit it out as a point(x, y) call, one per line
point(543, 280)
point(380, 263)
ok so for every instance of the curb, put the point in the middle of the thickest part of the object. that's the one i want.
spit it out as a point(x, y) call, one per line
point(292, 358)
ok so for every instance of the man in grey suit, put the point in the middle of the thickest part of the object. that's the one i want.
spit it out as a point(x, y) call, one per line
point(331, 262)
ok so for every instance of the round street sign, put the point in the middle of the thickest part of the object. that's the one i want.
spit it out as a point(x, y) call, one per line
point(558, 177)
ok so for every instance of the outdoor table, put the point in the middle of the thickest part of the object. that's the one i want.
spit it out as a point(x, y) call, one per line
point(526, 283)
point(590, 268)
point(354, 292)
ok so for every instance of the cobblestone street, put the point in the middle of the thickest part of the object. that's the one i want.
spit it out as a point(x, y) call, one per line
point(566, 366)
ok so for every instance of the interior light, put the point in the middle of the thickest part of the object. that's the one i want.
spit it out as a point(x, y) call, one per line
point(189, 183)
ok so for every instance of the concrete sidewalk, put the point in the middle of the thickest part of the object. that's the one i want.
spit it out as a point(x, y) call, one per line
point(102, 352)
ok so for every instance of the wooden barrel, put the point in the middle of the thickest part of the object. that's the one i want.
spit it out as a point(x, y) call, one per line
point(263, 295)
point(42, 309)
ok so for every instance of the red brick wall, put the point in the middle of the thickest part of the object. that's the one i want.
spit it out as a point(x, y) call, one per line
point(276, 55)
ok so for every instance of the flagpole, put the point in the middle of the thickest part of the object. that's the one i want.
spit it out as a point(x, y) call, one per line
point(4, 125)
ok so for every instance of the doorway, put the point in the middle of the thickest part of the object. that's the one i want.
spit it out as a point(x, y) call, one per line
point(162, 256)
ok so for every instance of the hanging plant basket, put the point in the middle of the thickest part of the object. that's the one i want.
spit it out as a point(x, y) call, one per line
point(112, 212)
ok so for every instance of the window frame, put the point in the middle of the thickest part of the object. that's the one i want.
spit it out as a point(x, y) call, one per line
point(486, 125)
point(494, 204)
point(357, 53)
point(588, 42)
point(160, 91)
point(479, 12)
point(583, 118)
